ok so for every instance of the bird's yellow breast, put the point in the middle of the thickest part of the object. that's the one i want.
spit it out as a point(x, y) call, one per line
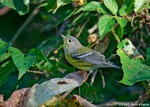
point(79, 64)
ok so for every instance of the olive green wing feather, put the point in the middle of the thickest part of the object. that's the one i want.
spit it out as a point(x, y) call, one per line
point(90, 56)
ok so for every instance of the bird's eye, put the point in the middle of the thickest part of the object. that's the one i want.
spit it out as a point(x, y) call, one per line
point(69, 40)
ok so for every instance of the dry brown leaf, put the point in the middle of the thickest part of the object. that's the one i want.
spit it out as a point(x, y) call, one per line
point(4, 10)
point(16, 99)
point(78, 76)
point(92, 38)
point(46, 91)
point(103, 45)
point(27, 97)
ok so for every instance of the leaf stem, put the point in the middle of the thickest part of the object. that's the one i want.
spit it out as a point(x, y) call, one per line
point(34, 13)
point(115, 35)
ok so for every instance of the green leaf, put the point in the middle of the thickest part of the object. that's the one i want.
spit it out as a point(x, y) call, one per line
point(38, 53)
point(119, 31)
point(148, 56)
point(127, 46)
point(22, 62)
point(40, 57)
point(54, 5)
point(122, 21)
point(62, 14)
point(111, 5)
point(78, 18)
point(61, 3)
point(138, 4)
point(50, 5)
point(5, 70)
point(105, 24)
point(130, 5)
point(111, 47)
point(47, 66)
point(103, 9)
point(4, 56)
point(122, 10)
point(134, 70)
point(22, 7)
point(3, 47)
point(91, 6)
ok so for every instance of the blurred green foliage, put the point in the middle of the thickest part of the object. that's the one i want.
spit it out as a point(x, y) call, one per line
point(35, 54)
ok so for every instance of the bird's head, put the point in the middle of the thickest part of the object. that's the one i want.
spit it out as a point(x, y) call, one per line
point(71, 43)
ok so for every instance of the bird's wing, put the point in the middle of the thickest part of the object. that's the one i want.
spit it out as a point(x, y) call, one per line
point(89, 55)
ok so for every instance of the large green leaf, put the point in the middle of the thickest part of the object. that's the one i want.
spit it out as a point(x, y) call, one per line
point(111, 5)
point(5, 70)
point(132, 65)
point(134, 70)
point(22, 62)
point(105, 24)
point(21, 7)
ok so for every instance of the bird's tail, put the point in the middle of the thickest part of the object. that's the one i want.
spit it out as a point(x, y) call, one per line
point(111, 64)
point(116, 66)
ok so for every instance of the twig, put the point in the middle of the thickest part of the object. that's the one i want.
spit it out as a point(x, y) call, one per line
point(147, 29)
point(143, 99)
point(145, 85)
point(94, 43)
point(38, 72)
point(79, 33)
point(103, 79)
point(93, 77)
point(34, 13)
point(91, 30)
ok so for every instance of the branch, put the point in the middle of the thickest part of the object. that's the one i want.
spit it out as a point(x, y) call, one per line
point(34, 13)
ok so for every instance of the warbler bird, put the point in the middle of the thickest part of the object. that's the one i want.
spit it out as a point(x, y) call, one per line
point(83, 57)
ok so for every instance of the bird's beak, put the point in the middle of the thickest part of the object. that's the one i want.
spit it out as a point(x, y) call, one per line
point(62, 35)
point(64, 38)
